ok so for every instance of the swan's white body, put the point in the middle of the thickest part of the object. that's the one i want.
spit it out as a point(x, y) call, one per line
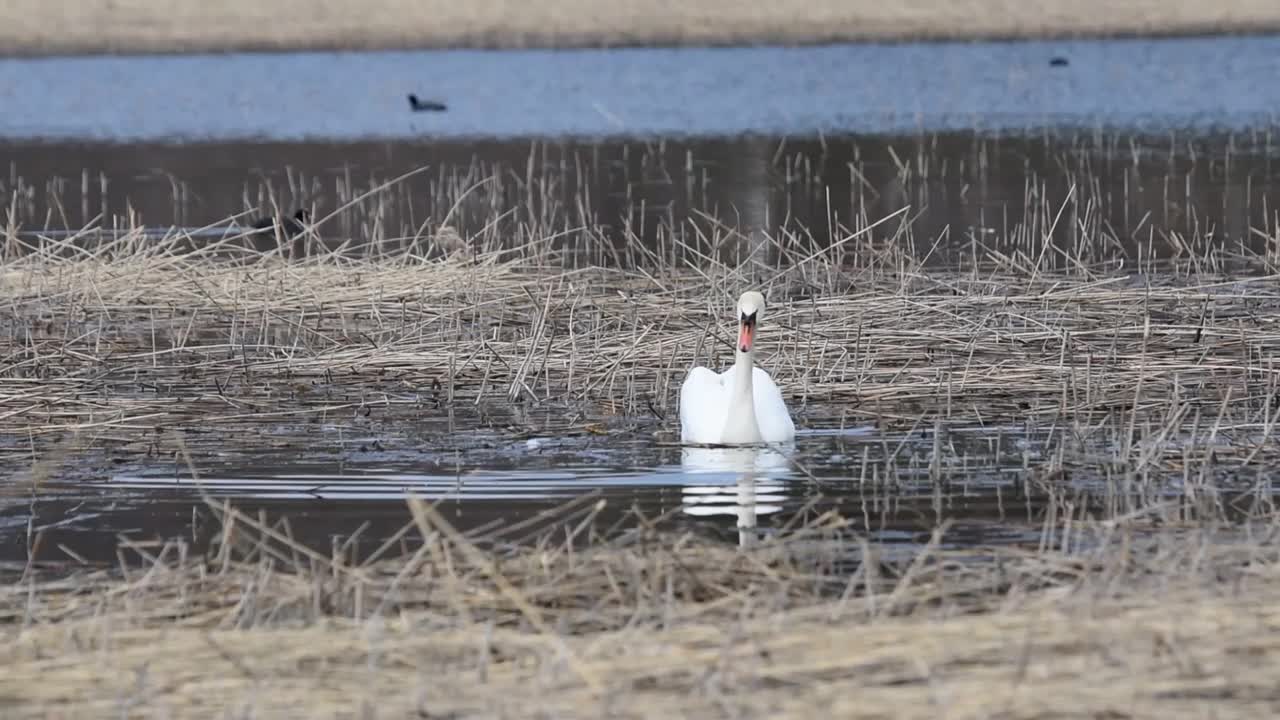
point(741, 405)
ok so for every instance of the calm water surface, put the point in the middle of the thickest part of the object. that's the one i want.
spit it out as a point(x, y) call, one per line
point(888, 484)
point(1203, 84)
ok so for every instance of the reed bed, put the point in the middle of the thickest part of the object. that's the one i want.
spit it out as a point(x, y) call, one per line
point(650, 623)
point(1172, 373)
point(1144, 402)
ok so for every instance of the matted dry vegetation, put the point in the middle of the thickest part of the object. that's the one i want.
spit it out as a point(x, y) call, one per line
point(653, 625)
point(141, 334)
point(30, 26)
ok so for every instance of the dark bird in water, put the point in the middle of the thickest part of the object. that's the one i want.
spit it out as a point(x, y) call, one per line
point(289, 227)
point(417, 104)
point(1058, 62)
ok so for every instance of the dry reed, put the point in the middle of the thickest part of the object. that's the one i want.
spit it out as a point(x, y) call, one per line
point(649, 624)
point(1165, 371)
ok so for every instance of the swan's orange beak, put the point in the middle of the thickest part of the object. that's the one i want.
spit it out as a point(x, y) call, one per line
point(746, 332)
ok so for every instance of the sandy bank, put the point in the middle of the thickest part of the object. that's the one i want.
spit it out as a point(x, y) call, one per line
point(36, 27)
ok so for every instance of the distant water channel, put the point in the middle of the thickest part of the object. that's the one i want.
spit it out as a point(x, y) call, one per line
point(1201, 84)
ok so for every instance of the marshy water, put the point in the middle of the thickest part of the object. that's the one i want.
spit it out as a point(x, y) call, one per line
point(994, 330)
point(1170, 196)
point(336, 456)
point(421, 458)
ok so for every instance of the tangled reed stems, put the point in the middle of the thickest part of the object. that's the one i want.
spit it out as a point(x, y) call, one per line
point(123, 345)
point(648, 623)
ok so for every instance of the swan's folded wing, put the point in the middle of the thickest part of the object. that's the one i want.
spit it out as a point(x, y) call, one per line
point(702, 406)
point(771, 410)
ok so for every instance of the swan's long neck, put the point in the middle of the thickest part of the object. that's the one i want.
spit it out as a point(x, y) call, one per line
point(740, 425)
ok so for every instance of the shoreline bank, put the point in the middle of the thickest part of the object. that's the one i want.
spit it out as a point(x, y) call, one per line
point(30, 28)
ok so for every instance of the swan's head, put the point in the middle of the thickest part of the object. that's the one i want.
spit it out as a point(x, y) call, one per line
point(750, 311)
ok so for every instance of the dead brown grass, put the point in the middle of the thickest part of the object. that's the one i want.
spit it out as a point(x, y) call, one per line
point(147, 336)
point(29, 26)
point(651, 624)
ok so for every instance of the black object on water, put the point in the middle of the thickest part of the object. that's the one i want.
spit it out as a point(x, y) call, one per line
point(290, 226)
point(1058, 62)
point(417, 104)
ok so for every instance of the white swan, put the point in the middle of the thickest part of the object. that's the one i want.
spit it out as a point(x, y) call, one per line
point(741, 405)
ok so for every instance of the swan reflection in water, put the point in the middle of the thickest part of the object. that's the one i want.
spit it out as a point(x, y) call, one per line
point(742, 481)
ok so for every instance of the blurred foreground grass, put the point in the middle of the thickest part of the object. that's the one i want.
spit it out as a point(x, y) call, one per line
point(808, 623)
